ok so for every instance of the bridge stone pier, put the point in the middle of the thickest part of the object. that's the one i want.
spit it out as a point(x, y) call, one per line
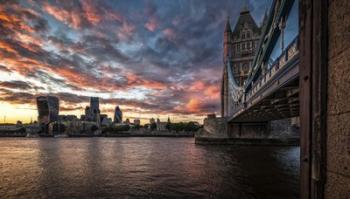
point(248, 130)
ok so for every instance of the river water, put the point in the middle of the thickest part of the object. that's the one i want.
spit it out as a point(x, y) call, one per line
point(144, 168)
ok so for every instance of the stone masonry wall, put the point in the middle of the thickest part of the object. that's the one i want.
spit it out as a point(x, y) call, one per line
point(213, 127)
point(338, 108)
point(285, 128)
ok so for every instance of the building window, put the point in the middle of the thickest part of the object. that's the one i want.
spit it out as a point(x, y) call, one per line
point(243, 35)
point(235, 68)
point(245, 67)
point(243, 46)
point(248, 34)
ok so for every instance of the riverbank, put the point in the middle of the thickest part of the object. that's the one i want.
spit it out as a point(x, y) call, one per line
point(107, 134)
point(248, 141)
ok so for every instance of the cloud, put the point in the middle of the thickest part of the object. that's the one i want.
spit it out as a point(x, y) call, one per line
point(68, 17)
point(152, 57)
point(152, 24)
point(16, 84)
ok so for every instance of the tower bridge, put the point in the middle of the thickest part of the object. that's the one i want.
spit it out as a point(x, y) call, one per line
point(300, 67)
point(260, 81)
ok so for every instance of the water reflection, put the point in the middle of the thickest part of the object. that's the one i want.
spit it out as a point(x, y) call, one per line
point(144, 168)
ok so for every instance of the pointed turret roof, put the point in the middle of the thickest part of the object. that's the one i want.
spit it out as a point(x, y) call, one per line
point(264, 21)
point(245, 18)
point(245, 7)
point(228, 26)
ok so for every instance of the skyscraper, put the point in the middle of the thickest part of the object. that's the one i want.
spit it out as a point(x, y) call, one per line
point(118, 115)
point(94, 107)
point(92, 112)
point(48, 109)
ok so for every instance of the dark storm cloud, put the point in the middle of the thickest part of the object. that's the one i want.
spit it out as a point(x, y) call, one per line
point(16, 84)
point(4, 68)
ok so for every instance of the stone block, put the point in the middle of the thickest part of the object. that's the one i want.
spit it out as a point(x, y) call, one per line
point(214, 127)
point(338, 144)
point(337, 186)
point(339, 84)
point(339, 24)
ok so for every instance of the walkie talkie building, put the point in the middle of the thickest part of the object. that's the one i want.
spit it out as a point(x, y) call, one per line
point(48, 109)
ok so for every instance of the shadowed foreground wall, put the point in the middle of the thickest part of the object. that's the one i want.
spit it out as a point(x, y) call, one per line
point(338, 108)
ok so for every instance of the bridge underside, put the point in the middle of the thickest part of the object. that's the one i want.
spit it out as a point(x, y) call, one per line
point(278, 99)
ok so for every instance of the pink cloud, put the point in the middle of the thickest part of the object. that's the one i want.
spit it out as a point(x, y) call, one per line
point(69, 18)
point(169, 34)
point(126, 31)
point(152, 24)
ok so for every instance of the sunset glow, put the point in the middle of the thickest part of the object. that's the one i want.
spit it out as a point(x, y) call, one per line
point(152, 58)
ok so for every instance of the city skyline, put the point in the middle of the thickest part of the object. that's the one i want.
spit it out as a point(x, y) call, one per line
point(152, 58)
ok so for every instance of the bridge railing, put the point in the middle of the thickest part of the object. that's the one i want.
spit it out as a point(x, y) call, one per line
point(280, 63)
point(277, 65)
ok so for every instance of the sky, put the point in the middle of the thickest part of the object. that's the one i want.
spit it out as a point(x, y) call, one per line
point(160, 58)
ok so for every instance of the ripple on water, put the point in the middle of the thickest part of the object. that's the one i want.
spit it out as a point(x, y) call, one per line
point(144, 168)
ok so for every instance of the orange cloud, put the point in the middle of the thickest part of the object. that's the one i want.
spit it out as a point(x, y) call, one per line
point(139, 81)
point(90, 12)
point(193, 105)
point(69, 18)
point(5, 46)
point(211, 91)
point(169, 34)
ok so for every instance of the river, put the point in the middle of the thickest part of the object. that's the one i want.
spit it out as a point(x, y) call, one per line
point(144, 168)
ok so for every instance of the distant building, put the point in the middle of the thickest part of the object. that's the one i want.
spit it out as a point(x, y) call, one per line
point(137, 122)
point(127, 121)
point(94, 108)
point(118, 115)
point(152, 121)
point(87, 114)
point(67, 117)
point(211, 116)
point(48, 109)
point(92, 112)
point(161, 126)
point(106, 121)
